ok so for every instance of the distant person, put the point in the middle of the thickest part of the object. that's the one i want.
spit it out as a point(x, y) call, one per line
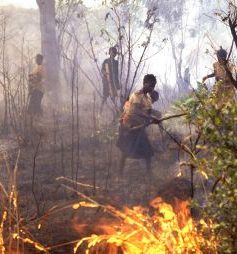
point(224, 89)
point(186, 79)
point(36, 87)
point(133, 140)
point(110, 78)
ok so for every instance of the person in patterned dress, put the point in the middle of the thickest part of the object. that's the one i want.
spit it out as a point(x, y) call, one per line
point(133, 141)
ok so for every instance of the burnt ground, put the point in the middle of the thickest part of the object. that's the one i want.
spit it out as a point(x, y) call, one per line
point(46, 154)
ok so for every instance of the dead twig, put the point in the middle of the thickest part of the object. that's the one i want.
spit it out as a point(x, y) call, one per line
point(33, 176)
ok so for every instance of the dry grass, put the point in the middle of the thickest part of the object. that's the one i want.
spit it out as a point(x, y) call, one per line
point(13, 234)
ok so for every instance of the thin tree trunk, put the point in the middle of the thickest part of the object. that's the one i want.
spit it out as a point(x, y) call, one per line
point(49, 45)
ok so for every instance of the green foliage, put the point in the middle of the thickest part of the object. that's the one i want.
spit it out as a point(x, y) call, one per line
point(217, 126)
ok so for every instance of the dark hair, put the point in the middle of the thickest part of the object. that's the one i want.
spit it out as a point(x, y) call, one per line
point(113, 49)
point(150, 78)
point(221, 54)
point(154, 96)
point(39, 58)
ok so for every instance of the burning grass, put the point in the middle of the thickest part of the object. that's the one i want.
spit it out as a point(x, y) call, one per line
point(160, 228)
point(153, 230)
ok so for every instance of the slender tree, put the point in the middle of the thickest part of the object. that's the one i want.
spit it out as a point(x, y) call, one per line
point(49, 45)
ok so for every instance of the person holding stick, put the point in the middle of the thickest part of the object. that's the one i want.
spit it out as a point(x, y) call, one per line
point(133, 140)
point(224, 88)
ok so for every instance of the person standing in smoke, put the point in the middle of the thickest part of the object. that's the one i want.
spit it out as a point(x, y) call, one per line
point(133, 141)
point(36, 90)
point(186, 79)
point(110, 78)
point(224, 88)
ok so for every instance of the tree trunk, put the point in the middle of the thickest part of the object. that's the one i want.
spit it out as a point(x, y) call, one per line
point(176, 61)
point(49, 46)
point(232, 29)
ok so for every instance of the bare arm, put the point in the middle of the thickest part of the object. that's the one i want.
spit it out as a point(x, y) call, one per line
point(212, 75)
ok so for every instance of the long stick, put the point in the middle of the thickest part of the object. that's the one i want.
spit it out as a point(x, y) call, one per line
point(72, 114)
point(78, 135)
point(93, 150)
point(171, 116)
point(159, 120)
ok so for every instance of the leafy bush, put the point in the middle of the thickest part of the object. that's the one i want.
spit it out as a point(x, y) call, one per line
point(217, 125)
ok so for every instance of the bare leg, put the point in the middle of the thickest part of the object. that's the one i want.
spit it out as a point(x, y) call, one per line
point(148, 168)
point(115, 110)
point(122, 164)
point(102, 104)
point(148, 165)
point(149, 178)
point(162, 135)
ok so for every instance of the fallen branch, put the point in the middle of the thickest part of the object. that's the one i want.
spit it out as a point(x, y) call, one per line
point(76, 182)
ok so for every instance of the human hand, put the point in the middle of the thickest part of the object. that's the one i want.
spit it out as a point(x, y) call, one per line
point(155, 121)
point(204, 79)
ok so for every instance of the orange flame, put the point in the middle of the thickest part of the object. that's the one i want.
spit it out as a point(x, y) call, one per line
point(170, 229)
